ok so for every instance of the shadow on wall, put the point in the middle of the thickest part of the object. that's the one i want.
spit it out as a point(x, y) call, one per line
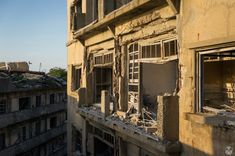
point(210, 141)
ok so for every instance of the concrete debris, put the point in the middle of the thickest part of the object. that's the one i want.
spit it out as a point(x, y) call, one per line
point(229, 108)
point(230, 123)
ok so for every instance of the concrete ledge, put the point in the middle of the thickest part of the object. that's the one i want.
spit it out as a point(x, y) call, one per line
point(125, 12)
point(33, 142)
point(20, 116)
point(210, 119)
point(130, 132)
point(207, 44)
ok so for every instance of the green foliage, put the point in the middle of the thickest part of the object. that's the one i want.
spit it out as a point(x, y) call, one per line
point(58, 72)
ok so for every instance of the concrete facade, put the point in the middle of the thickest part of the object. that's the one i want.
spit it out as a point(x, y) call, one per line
point(32, 121)
point(151, 77)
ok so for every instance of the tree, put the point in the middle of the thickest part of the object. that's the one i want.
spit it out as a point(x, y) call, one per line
point(58, 72)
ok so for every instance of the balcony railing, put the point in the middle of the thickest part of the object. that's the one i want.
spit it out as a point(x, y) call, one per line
point(20, 116)
point(33, 142)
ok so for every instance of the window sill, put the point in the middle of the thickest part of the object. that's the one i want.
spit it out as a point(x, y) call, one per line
point(211, 119)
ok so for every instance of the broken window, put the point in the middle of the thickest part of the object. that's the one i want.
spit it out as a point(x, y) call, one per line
point(52, 98)
point(160, 49)
point(150, 74)
point(151, 51)
point(216, 80)
point(24, 103)
point(53, 122)
point(103, 81)
point(3, 106)
point(103, 59)
point(2, 141)
point(133, 70)
point(170, 48)
point(24, 133)
point(38, 101)
point(76, 77)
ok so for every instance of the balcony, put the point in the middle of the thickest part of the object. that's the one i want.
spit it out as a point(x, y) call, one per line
point(33, 142)
point(131, 9)
point(162, 136)
point(20, 116)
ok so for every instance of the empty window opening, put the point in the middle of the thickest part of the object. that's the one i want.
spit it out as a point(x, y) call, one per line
point(37, 128)
point(77, 140)
point(61, 97)
point(53, 122)
point(38, 101)
point(76, 77)
point(24, 103)
point(109, 6)
point(103, 81)
point(92, 11)
point(120, 3)
point(216, 81)
point(52, 98)
point(109, 138)
point(77, 17)
point(102, 149)
point(157, 79)
point(24, 133)
point(2, 141)
point(3, 106)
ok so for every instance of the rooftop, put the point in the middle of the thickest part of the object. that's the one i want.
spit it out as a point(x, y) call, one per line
point(11, 81)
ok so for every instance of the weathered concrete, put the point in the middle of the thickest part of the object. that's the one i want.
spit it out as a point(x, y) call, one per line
point(202, 23)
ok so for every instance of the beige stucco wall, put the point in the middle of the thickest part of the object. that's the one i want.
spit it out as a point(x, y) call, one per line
point(202, 22)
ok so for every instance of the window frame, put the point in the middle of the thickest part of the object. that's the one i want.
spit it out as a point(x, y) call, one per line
point(199, 79)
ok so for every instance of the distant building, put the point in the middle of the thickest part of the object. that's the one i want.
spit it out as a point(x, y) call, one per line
point(32, 113)
point(151, 77)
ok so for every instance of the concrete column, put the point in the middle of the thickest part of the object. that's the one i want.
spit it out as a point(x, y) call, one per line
point(168, 117)
point(123, 80)
point(122, 147)
point(105, 102)
point(84, 136)
point(100, 9)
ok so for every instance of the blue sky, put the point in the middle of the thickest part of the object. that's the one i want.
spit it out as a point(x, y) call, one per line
point(35, 31)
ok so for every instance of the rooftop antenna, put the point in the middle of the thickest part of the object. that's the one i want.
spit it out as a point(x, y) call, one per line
point(29, 63)
point(40, 66)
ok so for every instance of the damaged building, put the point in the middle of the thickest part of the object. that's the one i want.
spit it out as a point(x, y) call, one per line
point(32, 112)
point(151, 77)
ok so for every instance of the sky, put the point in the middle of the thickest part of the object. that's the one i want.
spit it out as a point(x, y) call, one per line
point(33, 31)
